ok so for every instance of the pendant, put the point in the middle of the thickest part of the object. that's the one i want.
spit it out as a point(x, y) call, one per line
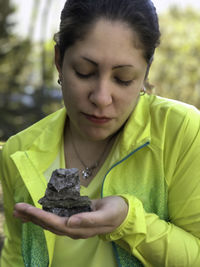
point(86, 173)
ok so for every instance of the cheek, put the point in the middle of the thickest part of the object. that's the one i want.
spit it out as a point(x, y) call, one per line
point(127, 105)
point(129, 98)
point(69, 88)
point(73, 96)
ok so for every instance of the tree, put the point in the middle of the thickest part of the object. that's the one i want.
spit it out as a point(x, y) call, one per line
point(175, 72)
point(13, 52)
point(5, 10)
point(26, 83)
point(13, 62)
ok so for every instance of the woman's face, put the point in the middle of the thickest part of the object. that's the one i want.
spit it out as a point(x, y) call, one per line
point(102, 76)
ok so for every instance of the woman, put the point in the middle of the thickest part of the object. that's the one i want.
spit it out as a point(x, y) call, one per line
point(137, 153)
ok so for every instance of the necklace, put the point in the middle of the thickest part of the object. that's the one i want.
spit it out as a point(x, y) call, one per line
point(87, 172)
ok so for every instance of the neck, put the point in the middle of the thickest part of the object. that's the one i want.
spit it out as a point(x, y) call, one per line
point(81, 152)
point(83, 142)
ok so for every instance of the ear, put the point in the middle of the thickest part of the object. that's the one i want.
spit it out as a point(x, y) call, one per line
point(57, 59)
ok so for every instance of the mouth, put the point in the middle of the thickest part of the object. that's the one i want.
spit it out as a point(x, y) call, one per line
point(97, 119)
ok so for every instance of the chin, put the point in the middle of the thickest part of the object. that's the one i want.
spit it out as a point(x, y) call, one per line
point(97, 135)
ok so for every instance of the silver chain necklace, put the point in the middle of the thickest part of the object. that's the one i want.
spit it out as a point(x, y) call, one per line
point(87, 172)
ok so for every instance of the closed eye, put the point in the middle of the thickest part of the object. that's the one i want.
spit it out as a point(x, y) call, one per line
point(124, 83)
point(83, 76)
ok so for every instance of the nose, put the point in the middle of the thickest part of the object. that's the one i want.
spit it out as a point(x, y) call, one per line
point(101, 95)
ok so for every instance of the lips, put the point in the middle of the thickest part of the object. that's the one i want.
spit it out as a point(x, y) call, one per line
point(96, 119)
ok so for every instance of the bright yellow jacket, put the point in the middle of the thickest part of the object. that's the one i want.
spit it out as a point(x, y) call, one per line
point(155, 167)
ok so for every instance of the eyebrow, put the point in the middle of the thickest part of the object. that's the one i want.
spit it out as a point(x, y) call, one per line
point(89, 60)
point(114, 67)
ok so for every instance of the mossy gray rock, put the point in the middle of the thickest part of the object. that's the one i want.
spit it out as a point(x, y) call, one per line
point(62, 196)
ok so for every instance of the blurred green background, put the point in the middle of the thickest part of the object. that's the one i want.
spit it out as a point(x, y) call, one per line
point(28, 78)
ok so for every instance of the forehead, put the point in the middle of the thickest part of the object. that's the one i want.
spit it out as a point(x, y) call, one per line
point(109, 42)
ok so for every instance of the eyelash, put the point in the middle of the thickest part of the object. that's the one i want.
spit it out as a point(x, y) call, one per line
point(83, 76)
point(86, 76)
point(123, 83)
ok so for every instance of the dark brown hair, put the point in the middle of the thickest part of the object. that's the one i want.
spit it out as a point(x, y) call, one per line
point(79, 15)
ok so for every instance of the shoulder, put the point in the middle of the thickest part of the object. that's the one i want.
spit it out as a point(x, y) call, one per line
point(173, 114)
point(173, 122)
point(167, 107)
point(24, 139)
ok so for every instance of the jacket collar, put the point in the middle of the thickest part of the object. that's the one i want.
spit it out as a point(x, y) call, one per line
point(32, 162)
point(46, 146)
point(52, 133)
point(137, 130)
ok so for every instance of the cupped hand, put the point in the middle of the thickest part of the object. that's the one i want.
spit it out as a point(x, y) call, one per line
point(108, 213)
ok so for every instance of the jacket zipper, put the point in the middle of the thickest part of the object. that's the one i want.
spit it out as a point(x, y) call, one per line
point(114, 165)
point(122, 160)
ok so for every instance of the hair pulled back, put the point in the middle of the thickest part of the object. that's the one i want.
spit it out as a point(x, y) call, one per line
point(78, 16)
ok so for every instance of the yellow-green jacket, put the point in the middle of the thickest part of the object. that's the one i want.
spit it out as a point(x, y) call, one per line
point(156, 167)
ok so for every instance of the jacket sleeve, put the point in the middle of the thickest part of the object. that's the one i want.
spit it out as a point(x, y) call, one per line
point(156, 242)
point(11, 252)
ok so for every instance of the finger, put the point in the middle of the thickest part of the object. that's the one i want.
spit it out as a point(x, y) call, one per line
point(40, 217)
point(48, 221)
point(44, 219)
point(105, 213)
point(83, 233)
point(89, 220)
point(16, 214)
point(32, 213)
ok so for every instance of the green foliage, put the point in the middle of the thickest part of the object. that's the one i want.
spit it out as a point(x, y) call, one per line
point(50, 70)
point(13, 66)
point(26, 74)
point(13, 52)
point(175, 71)
point(1, 145)
point(5, 11)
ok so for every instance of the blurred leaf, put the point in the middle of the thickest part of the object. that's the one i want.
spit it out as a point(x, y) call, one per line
point(26, 96)
point(175, 72)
